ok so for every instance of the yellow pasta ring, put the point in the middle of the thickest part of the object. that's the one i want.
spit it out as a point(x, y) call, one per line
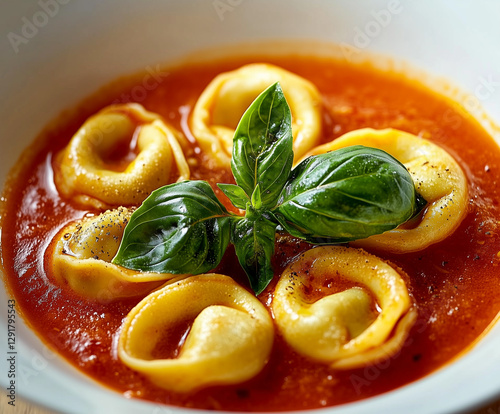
point(342, 329)
point(83, 173)
point(223, 102)
point(229, 341)
point(437, 177)
point(82, 254)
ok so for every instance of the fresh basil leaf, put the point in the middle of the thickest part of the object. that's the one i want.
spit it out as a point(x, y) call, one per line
point(181, 228)
point(236, 194)
point(263, 146)
point(256, 198)
point(253, 239)
point(344, 195)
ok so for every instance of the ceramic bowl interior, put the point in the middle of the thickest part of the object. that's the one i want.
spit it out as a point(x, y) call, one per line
point(56, 52)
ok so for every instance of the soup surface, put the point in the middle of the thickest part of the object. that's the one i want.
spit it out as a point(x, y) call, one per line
point(454, 283)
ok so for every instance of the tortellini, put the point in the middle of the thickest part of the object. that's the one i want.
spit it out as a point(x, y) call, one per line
point(229, 341)
point(343, 329)
point(82, 255)
point(437, 176)
point(221, 105)
point(88, 171)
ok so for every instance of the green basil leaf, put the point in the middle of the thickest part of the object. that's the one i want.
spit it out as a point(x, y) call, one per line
point(256, 198)
point(348, 194)
point(181, 228)
point(263, 146)
point(253, 239)
point(236, 194)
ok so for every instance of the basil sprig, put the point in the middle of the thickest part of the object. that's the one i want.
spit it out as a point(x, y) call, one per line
point(336, 197)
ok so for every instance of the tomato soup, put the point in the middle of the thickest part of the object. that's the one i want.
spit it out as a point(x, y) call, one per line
point(454, 283)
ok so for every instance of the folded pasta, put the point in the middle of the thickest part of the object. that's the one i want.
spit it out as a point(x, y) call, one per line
point(366, 322)
point(223, 102)
point(229, 341)
point(90, 171)
point(82, 254)
point(437, 177)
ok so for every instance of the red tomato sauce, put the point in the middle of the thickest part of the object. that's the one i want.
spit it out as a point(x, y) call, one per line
point(455, 283)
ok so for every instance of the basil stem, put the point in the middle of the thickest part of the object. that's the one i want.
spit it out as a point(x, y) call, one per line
point(180, 228)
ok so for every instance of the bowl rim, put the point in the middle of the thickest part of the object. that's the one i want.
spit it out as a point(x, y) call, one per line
point(480, 389)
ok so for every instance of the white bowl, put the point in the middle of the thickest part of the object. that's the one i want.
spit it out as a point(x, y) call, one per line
point(55, 52)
